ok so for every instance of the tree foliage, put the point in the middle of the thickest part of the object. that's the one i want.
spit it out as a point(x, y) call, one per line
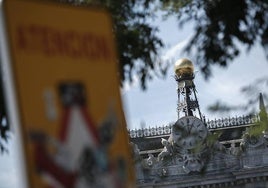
point(137, 41)
point(220, 26)
point(4, 127)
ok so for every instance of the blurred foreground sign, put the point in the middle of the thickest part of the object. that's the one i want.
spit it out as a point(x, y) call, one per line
point(63, 60)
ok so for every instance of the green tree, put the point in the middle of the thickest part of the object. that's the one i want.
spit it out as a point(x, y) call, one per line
point(137, 41)
point(220, 26)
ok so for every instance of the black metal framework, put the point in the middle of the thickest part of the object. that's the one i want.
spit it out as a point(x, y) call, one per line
point(187, 99)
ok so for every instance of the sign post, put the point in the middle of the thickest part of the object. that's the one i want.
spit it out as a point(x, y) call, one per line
point(64, 80)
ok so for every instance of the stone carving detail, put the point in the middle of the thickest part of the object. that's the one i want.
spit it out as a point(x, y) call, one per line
point(190, 148)
point(167, 151)
point(188, 138)
point(149, 162)
point(186, 148)
point(234, 150)
point(251, 141)
point(135, 151)
point(163, 172)
point(192, 162)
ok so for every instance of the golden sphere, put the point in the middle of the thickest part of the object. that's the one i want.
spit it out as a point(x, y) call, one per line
point(183, 66)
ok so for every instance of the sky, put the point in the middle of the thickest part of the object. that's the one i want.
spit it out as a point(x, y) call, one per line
point(9, 173)
point(157, 105)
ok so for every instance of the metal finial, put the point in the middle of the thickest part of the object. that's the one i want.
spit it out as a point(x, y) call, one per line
point(183, 66)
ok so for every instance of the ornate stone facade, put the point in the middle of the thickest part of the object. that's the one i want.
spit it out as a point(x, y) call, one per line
point(243, 163)
point(198, 153)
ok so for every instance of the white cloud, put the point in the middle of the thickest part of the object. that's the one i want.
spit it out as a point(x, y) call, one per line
point(175, 51)
point(127, 86)
point(171, 54)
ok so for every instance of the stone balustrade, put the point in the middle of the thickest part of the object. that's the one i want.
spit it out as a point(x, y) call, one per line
point(211, 125)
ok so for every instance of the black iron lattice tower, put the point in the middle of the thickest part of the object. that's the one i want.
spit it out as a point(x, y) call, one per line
point(187, 99)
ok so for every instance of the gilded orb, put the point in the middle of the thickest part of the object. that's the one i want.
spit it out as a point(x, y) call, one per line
point(183, 67)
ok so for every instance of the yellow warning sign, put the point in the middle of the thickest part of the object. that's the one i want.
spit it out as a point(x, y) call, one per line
point(64, 63)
